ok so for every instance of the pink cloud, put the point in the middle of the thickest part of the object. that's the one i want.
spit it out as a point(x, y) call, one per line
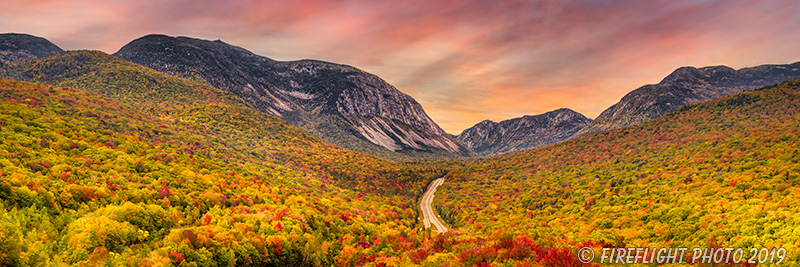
point(464, 60)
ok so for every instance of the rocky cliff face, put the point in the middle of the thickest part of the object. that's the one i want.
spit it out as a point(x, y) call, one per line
point(21, 47)
point(686, 86)
point(340, 104)
point(490, 138)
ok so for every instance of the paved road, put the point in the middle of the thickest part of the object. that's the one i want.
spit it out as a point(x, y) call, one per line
point(428, 215)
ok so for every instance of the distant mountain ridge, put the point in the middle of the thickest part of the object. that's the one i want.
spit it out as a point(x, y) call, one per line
point(21, 47)
point(686, 86)
point(490, 138)
point(353, 109)
point(340, 104)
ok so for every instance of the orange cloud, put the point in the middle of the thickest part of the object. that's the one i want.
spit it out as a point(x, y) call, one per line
point(463, 60)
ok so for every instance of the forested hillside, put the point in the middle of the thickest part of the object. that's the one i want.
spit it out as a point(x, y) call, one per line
point(171, 171)
point(127, 166)
point(229, 118)
point(720, 174)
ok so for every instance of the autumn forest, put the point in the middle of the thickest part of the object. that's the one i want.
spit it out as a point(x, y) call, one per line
point(106, 162)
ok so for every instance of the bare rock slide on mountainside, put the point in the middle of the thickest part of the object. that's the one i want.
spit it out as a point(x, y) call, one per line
point(340, 104)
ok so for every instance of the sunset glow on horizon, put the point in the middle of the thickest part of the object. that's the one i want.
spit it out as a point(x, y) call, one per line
point(464, 61)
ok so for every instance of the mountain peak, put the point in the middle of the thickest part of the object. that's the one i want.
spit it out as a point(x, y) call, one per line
point(340, 104)
point(530, 131)
point(486, 122)
point(682, 74)
point(560, 110)
point(154, 36)
point(686, 86)
point(720, 68)
point(563, 114)
point(21, 47)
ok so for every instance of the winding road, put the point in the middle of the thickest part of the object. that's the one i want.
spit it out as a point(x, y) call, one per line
point(428, 215)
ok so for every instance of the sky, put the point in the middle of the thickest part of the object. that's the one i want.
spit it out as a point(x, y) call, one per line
point(465, 61)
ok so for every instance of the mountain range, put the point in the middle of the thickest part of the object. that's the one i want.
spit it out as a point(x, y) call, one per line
point(20, 47)
point(341, 104)
point(686, 86)
point(490, 138)
point(353, 109)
